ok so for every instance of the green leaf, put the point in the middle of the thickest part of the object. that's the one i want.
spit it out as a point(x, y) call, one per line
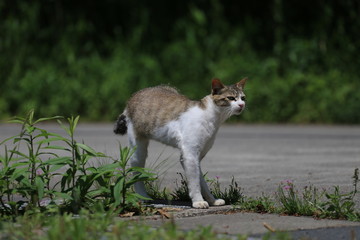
point(8, 139)
point(87, 149)
point(107, 167)
point(66, 179)
point(118, 189)
point(138, 178)
point(67, 130)
point(56, 167)
point(39, 186)
point(74, 123)
point(17, 120)
point(92, 170)
point(47, 119)
point(18, 172)
point(19, 164)
point(138, 196)
point(57, 148)
point(46, 134)
point(140, 170)
point(99, 192)
point(58, 161)
point(30, 129)
point(63, 195)
point(19, 153)
point(30, 116)
point(49, 140)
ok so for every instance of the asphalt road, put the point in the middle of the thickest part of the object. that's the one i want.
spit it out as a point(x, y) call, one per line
point(258, 156)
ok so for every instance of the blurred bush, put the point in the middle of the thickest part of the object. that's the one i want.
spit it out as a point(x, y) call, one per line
point(69, 58)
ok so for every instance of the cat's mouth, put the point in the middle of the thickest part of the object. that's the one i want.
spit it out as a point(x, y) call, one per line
point(239, 111)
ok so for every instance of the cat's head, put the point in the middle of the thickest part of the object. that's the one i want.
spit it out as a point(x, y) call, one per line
point(231, 98)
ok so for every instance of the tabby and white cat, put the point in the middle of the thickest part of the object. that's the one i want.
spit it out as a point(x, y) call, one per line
point(162, 114)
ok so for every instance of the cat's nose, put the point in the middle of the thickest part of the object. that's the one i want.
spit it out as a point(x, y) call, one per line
point(241, 105)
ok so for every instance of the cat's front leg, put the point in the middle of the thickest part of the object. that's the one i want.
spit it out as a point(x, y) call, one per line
point(191, 164)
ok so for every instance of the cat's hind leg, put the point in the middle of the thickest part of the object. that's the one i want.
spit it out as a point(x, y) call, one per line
point(205, 191)
point(138, 159)
point(191, 166)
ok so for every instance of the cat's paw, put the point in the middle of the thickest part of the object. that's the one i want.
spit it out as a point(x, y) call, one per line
point(218, 202)
point(200, 204)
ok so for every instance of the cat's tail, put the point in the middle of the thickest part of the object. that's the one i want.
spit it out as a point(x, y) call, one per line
point(120, 126)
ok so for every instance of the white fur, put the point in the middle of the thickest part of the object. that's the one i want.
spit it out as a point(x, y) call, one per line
point(194, 134)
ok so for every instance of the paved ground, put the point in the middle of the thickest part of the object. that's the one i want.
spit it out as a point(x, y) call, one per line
point(225, 221)
point(258, 156)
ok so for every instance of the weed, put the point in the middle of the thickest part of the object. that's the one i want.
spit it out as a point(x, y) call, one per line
point(294, 203)
point(181, 192)
point(322, 204)
point(155, 191)
point(154, 188)
point(125, 179)
point(260, 204)
point(340, 206)
point(231, 195)
point(27, 178)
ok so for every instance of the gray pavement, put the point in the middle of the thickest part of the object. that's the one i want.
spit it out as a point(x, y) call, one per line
point(225, 221)
point(259, 157)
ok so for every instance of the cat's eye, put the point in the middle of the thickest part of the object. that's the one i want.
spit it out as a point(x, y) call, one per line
point(231, 98)
point(243, 98)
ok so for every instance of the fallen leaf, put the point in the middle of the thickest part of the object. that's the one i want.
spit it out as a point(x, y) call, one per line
point(170, 209)
point(164, 213)
point(268, 227)
point(127, 214)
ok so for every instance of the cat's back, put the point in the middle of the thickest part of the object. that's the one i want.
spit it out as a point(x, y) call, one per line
point(157, 91)
point(155, 106)
point(154, 95)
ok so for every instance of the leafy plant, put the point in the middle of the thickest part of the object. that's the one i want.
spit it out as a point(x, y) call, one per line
point(28, 179)
point(181, 192)
point(20, 174)
point(320, 204)
point(260, 204)
point(342, 205)
point(125, 178)
point(231, 195)
point(156, 192)
point(293, 203)
point(338, 205)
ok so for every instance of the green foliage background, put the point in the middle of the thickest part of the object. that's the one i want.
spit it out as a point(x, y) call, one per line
point(87, 57)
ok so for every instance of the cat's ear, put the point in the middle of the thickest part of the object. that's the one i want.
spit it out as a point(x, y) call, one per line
point(242, 82)
point(216, 86)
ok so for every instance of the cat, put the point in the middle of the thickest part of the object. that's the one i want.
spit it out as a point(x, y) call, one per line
point(161, 113)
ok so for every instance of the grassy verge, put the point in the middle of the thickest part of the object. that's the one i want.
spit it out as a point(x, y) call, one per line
point(288, 199)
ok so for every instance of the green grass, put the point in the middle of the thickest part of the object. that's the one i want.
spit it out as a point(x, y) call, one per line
point(94, 226)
